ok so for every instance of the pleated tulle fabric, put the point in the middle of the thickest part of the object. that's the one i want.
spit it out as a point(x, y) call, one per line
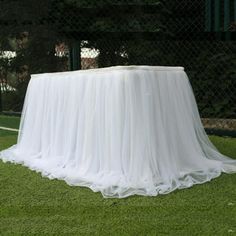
point(121, 130)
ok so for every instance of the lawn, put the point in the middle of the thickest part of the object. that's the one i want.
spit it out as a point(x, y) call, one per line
point(32, 205)
point(9, 121)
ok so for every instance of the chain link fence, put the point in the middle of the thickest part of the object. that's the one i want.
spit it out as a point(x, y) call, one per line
point(62, 35)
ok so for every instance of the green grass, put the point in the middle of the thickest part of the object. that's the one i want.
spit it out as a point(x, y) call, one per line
point(10, 121)
point(32, 205)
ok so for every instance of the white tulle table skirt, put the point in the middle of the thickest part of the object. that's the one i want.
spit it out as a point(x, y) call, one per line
point(120, 130)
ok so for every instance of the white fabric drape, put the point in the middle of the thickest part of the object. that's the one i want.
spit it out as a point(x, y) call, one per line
point(120, 130)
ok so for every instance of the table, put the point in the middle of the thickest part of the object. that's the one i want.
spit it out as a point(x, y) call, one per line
point(120, 130)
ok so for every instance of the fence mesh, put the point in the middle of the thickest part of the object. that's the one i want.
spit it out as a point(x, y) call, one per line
point(60, 35)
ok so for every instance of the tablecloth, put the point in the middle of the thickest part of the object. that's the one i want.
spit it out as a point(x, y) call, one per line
point(120, 130)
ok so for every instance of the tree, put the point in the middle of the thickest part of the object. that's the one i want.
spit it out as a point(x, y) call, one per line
point(26, 32)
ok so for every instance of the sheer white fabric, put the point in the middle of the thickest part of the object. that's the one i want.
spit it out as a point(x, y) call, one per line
point(120, 130)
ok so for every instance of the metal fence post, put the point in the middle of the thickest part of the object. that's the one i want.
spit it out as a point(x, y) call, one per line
point(208, 15)
point(234, 10)
point(75, 57)
point(227, 18)
point(217, 16)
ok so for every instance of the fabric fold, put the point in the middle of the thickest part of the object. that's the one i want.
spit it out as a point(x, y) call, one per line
point(120, 130)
